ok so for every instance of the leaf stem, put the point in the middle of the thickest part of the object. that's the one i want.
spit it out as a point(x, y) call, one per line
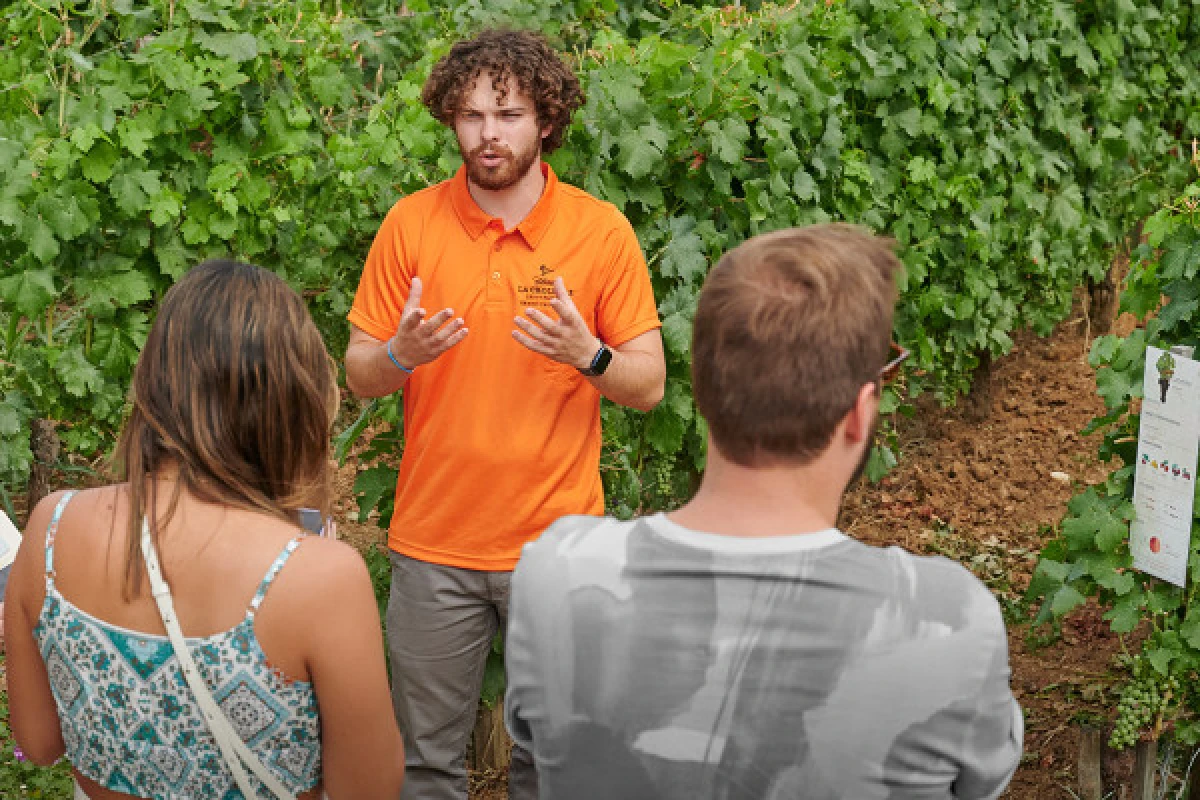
point(62, 99)
point(39, 8)
point(101, 15)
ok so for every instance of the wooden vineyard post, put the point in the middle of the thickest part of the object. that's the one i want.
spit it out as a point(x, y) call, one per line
point(491, 746)
point(979, 401)
point(43, 441)
point(1144, 767)
point(1091, 744)
point(1193, 792)
point(1104, 295)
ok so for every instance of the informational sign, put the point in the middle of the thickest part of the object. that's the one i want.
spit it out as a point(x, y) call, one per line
point(1164, 488)
point(10, 540)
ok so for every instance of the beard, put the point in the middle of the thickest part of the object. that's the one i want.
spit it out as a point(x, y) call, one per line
point(515, 165)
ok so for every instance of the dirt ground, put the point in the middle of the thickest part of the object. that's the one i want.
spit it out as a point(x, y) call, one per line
point(981, 491)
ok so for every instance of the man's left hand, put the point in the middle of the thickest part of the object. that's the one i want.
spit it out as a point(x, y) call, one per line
point(566, 340)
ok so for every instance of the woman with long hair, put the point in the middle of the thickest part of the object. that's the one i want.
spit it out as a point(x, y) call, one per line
point(233, 399)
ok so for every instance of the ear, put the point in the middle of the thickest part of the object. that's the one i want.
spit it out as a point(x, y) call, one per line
point(861, 417)
point(546, 129)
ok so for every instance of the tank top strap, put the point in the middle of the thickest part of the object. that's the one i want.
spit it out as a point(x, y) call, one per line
point(52, 531)
point(276, 565)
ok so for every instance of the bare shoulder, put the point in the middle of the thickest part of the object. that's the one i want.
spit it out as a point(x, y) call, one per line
point(90, 512)
point(325, 590)
point(322, 582)
point(39, 518)
point(26, 585)
point(327, 563)
point(100, 498)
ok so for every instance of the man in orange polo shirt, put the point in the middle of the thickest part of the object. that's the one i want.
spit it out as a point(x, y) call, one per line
point(543, 303)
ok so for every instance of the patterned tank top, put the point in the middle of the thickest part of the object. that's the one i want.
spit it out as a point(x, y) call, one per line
point(130, 721)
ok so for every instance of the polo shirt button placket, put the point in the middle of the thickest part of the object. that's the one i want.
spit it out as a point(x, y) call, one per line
point(493, 285)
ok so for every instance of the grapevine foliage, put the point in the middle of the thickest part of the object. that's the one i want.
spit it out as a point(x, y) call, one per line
point(1007, 147)
point(1091, 557)
point(137, 139)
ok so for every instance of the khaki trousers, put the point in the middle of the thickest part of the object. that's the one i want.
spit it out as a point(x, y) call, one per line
point(440, 625)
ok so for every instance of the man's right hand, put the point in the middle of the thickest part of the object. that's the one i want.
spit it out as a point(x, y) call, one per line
point(419, 340)
point(370, 372)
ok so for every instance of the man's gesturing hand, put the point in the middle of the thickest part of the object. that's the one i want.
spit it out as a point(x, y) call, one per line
point(566, 339)
point(419, 340)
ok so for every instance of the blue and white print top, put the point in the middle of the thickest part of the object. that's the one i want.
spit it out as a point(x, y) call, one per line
point(131, 723)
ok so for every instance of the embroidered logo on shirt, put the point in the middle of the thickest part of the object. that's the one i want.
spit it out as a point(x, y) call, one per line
point(541, 291)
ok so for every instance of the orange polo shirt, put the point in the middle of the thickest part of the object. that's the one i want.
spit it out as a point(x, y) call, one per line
point(499, 441)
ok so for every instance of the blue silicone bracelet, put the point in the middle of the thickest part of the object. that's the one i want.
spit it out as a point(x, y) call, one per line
point(399, 366)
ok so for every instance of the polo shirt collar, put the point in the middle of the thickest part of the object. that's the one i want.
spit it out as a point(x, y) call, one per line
point(475, 221)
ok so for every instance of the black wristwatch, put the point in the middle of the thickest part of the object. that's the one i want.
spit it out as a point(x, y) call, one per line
point(600, 362)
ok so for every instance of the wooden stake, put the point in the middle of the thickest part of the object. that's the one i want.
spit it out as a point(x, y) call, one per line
point(1091, 742)
point(44, 443)
point(1194, 779)
point(492, 747)
point(1144, 766)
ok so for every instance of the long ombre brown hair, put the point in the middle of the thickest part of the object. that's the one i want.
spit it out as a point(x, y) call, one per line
point(234, 390)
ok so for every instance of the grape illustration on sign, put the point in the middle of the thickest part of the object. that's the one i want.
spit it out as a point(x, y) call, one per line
point(1166, 368)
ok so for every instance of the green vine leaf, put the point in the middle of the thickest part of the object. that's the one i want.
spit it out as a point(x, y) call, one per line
point(677, 334)
point(1117, 386)
point(79, 376)
point(1181, 259)
point(238, 47)
point(641, 150)
point(1125, 614)
point(29, 291)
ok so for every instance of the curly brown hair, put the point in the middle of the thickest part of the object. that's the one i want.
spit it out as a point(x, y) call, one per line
point(502, 54)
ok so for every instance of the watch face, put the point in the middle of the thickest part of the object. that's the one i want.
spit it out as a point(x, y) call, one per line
point(599, 363)
point(602, 360)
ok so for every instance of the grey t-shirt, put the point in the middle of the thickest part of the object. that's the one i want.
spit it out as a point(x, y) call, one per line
point(646, 660)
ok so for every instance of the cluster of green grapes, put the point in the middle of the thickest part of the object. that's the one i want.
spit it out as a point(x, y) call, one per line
point(664, 467)
point(1142, 701)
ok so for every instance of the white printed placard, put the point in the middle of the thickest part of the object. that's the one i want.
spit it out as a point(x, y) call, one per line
point(10, 540)
point(1164, 488)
